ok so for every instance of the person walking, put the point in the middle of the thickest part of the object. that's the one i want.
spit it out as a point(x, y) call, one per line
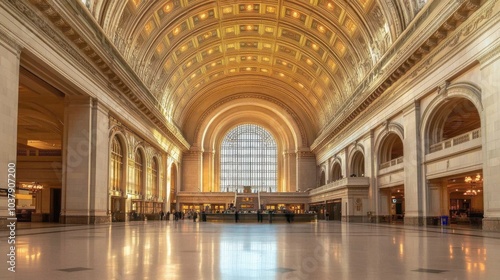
point(195, 215)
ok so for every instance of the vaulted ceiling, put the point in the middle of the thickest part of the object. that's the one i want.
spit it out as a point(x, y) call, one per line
point(309, 55)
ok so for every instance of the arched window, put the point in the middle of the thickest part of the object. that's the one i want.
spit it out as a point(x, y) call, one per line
point(154, 178)
point(454, 122)
point(116, 165)
point(391, 152)
point(358, 165)
point(336, 172)
point(322, 178)
point(138, 182)
point(248, 157)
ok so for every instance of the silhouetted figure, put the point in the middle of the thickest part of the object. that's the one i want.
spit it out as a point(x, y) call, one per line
point(259, 216)
point(236, 216)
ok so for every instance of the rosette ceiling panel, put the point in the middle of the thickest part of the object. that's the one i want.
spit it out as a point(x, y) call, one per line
point(309, 55)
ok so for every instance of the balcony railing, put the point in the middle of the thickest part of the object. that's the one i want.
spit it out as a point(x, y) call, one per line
point(460, 139)
point(392, 162)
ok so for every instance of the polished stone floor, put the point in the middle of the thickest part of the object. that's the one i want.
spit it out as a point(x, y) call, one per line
point(188, 250)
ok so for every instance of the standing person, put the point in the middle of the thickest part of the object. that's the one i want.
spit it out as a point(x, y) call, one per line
point(161, 215)
point(167, 216)
point(195, 215)
point(270, 216)
point(327, 216)
point(259, 216)
point(236, 216)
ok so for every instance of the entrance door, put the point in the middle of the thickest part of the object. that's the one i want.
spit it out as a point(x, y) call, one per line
point(55, 206)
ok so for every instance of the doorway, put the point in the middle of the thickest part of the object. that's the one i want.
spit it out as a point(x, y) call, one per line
point(55, 206)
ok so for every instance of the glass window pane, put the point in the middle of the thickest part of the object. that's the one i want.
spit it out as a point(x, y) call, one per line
point(248, 158)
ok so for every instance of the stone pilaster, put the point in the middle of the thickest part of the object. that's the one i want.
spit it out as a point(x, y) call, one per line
point(290, 169)
point(490, 123)
point(99, 164)
point(413, 166)
point(192, 171)
point(9, 92)
point(208, 171)
point(306, 170)
point(85, 162)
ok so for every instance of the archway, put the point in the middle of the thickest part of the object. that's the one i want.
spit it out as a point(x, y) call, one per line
point(452, 130)
point(248, 159)
point(357, 165)
point(336, 172)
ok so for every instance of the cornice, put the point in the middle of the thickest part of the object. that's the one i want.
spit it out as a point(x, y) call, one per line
point(491, 55)
point(8, 42)
point(91, 48)
point(399, 58)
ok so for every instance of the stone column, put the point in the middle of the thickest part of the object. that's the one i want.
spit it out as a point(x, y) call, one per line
point(9, 92)
point(413, 166)
point(291, 171)
point(490, 134)
point(370, 165)
point(306, 170)
point(85, 162)
point(192, 173)
point(434, 200)
point(208, 171)
point(284, 177)
point(99, 164)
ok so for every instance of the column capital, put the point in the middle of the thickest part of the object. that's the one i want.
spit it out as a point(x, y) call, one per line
point(8, 42)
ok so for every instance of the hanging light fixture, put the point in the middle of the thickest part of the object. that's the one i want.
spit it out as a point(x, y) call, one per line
point(472, 182)
point(32, 187)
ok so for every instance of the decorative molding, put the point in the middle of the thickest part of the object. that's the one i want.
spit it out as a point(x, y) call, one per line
point(10, 43)
point(490, 56)
point(253, 96)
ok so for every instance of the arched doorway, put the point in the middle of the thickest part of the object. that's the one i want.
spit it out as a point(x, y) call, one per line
point(453, 135)
point(390, 164)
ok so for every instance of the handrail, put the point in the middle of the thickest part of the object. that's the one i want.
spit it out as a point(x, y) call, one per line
point(392, 162)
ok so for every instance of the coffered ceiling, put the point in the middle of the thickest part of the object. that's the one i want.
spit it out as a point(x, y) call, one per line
point(309, 55)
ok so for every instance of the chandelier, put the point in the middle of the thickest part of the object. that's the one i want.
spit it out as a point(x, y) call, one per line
point(32, 187)
point(472, 181)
